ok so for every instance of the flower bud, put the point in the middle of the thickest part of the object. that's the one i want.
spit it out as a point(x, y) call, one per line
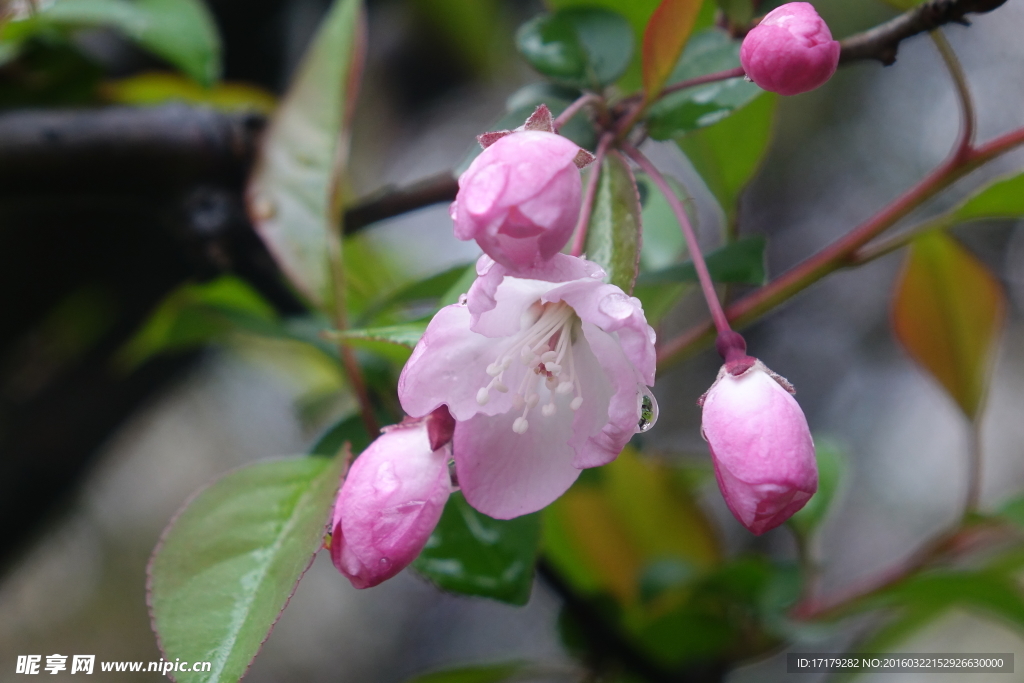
point(760, 444)
point(791, 51)
point(520, 198)
point(391, 501)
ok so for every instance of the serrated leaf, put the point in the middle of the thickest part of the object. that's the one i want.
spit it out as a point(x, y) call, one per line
point(292, 194)
point(687, 110)
point(1002, 199)
point(831, 468)
point(181, 31)
point(472, 554)
point(947, 312)
point(585, 47)
point(741, 262)
point(664, 38)
point(613, 237)
point(489, 673)
point(231, 559)
point(729, 153)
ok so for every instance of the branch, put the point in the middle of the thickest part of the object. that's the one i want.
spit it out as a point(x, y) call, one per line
point(390, 201)
point(883, 41)
point(127, 148)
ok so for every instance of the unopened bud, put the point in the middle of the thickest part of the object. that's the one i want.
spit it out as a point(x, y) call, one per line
point(760, 444)
point(791, 51)
point(389, 504)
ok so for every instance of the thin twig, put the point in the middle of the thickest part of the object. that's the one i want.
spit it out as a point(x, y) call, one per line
point(738, 72)
point(710, 294)
point(571, 110)
point(968, 117)
point(583, 224)
point(974, 464)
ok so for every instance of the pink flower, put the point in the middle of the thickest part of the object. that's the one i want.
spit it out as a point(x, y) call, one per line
point(791, 51)
point(545, 373)
point(391, 501)
point(521, 197)
point(760, 444)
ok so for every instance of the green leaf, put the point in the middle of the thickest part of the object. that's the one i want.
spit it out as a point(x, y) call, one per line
point(471, 553)
point(489, 673)
point(293, 193)
point(407, 335)
point(993, 593)
point(729, 153)
point(613, 238)
point(741, 262)
point(1002, 199)
point(181, 31)
point(703, 105)
point(586, 47)
point(831, 468)
point(638, 13)
point(947, 312)
point(738, 12)
point(231, 559)
point(197, 314)
point(663, 241)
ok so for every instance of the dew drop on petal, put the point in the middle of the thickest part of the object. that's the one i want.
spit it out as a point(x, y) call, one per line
point(617, 305)
point(648, 408)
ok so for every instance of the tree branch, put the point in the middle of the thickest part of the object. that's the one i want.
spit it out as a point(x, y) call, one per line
point(883, 41)
point(390, 201)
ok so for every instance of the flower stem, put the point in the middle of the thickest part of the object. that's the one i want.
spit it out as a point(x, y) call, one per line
point(708, 287)
point(843, 252)
point(974, 468)
point(701, 80)
point(571, 110)
point(583, 224)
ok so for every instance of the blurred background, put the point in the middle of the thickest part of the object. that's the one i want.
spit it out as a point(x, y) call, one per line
point(94, 460)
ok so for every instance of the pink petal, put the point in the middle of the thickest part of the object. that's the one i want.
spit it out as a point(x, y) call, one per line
point(449, 365)
point(504, 474)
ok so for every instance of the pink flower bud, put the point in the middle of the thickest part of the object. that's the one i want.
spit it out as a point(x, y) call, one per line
point(760, 445)
point(520, 198)
point(389, 504)
point(791, 51)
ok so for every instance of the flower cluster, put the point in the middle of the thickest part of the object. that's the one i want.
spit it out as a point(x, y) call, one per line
point(542, 370)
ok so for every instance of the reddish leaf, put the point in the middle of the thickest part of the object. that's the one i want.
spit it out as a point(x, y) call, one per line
point(666, 34)
point(947, 314)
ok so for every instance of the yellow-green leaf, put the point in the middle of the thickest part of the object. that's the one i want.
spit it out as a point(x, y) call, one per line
point(947, 314)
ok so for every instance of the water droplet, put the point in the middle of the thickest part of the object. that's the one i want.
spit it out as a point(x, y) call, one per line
point(384, 562)
point(648, 407)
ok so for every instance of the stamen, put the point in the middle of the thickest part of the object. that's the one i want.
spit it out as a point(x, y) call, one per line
point(549, 409)
point(520, 425)
point(576, 403)
point(482, 396)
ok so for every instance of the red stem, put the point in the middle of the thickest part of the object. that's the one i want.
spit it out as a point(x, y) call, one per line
point(580, 240)
point(571, 110)
point(701, 80)
point(714, 305)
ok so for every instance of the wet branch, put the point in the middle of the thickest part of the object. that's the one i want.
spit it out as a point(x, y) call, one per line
point(882, 42)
